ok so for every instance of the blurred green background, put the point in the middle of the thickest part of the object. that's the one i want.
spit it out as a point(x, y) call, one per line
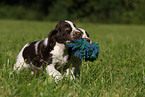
point(100, 11)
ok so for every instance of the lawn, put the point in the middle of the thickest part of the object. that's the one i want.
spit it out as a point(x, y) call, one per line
point(118, 72)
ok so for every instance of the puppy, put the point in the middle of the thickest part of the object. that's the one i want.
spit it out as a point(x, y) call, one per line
point(52, 54)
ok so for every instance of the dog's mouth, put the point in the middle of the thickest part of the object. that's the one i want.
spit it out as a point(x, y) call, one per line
point(87, 39)
point(77, 35)
point(68, 41)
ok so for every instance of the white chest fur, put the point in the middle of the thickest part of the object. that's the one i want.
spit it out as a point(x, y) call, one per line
point(59, 54)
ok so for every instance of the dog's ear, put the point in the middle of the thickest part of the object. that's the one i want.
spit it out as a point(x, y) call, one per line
point(60, 25)
point(52, 39)
point(44, 50)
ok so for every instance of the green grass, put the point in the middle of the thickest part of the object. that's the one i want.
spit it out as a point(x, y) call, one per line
point(118, 72)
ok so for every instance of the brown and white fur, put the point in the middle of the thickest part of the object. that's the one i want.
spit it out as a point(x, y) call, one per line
point(52, 54)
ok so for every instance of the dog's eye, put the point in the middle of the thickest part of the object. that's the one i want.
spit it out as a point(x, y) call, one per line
point(67, 29)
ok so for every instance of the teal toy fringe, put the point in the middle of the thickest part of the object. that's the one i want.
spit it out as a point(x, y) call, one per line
point(84, 49)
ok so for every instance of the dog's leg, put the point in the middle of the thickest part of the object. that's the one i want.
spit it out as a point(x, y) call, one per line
point(53, 72)
point(20, 62)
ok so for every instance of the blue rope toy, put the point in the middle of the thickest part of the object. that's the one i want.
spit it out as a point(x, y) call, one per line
point(85, 50)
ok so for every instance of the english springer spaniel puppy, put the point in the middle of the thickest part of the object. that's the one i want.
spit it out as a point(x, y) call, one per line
point(52, 54)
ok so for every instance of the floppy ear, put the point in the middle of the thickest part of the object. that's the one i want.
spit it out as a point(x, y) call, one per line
point(52, 39)
point(44, 50)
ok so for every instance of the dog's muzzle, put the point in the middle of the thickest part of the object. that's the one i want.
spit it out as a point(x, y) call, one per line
point(77, 35)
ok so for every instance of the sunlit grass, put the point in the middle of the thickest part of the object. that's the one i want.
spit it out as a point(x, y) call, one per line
point(119, 70)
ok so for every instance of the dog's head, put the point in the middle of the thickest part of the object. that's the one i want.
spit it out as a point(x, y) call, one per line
point(63, 32)
point(85, 35)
